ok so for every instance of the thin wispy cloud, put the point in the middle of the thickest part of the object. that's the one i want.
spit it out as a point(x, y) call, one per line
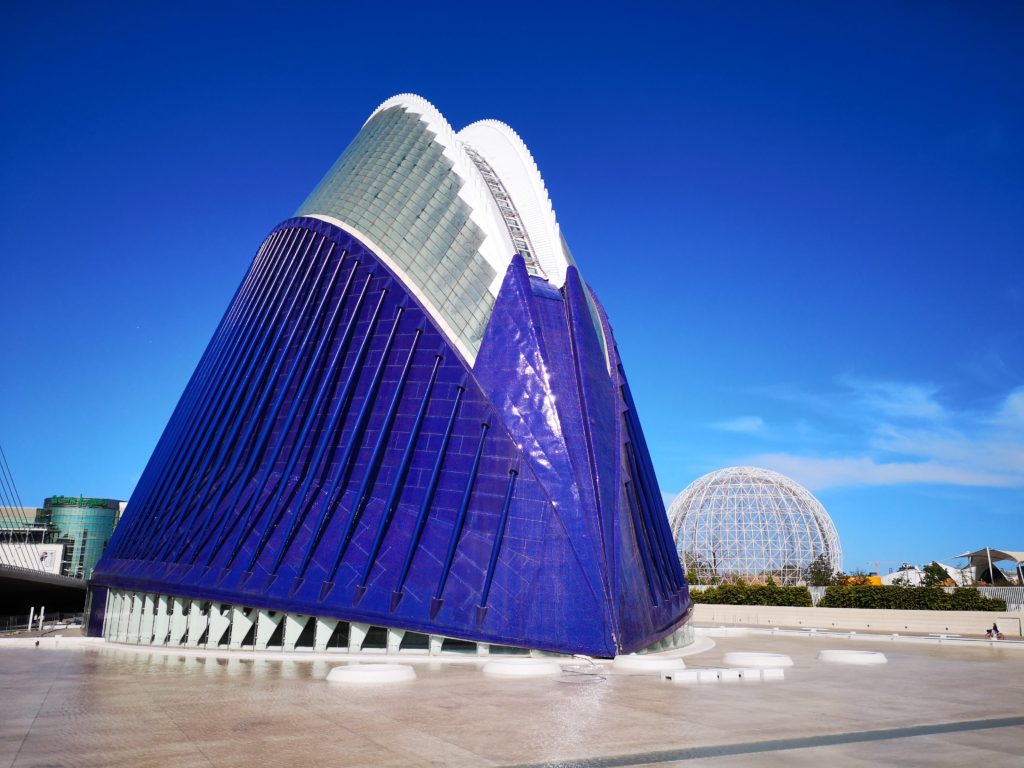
point(907, 436)
point(822, 473)
point(900, 400)
point(748, 425)
point(1011, 414)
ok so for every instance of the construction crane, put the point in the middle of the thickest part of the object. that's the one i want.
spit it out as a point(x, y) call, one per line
point(876, 563)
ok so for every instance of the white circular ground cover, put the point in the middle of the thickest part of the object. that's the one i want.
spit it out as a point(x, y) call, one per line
point(371, 673)
point(853, 657)
point(522, 667)
point(646, 663)
point(756, 660)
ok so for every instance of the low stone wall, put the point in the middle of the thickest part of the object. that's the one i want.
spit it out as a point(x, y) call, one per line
point(968, 623)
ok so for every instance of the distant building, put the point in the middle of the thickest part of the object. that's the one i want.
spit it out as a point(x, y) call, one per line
point(21, 524)
point(753, 524)
point(86, 524)
point(911, 576)
point(27, 542)
point(66, 536)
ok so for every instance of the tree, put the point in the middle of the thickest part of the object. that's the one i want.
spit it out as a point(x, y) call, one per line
point(818, 572)
point(699, 570)
point(901, 581)
point(934, 575)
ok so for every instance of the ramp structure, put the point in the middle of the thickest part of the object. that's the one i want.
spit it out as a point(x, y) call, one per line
point(413, 417)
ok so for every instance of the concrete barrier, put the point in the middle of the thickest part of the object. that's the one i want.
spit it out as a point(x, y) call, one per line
point(967, 623)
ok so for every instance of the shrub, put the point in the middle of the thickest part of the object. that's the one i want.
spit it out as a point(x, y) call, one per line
point(750, 594)
point(910, 599)
point(819, 573)
point(935, 576)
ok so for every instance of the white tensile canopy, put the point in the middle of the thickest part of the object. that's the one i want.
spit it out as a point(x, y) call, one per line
point(982, 559)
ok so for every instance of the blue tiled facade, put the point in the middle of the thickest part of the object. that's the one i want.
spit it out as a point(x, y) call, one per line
point(334, 455)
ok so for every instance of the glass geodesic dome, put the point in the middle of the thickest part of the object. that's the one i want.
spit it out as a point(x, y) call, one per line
point(752, 523)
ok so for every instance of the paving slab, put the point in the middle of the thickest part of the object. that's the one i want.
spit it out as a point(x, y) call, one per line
point(97, 705)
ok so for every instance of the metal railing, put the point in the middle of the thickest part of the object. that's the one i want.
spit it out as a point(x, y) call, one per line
point(19, 622)
point(1014, 596)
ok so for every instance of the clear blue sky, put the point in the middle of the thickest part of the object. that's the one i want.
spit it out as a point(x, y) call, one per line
point(806, 222)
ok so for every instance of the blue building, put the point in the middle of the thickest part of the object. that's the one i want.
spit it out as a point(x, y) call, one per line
point(411, 426)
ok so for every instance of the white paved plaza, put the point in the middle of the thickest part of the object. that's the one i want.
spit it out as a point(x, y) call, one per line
point(931, 705)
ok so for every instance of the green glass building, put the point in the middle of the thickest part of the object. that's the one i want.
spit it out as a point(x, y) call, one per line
point(85, 525)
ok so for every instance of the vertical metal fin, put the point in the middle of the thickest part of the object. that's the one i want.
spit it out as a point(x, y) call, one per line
point(269, 461)
point(259, 416)
point(341, 406)
point(194, 406)
point(247, 387)
point(399, 482)
point(332, 371)
point(460, 520)
point(499, 536)
point(657, 554)
point(641, 540)
point(377, 454)
point(183, 472)
point(428, 498)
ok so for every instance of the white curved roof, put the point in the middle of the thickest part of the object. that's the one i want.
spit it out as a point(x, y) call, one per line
point(446, 211)
point(502, 151)
point(506, 153)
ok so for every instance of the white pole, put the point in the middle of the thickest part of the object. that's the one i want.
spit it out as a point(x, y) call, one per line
point(42, 613)
point(991, 575)
point(31, 617)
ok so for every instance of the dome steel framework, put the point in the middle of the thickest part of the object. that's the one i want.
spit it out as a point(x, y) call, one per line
point(753, 523)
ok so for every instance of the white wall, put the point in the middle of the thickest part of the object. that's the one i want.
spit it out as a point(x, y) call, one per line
point(972, 623)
